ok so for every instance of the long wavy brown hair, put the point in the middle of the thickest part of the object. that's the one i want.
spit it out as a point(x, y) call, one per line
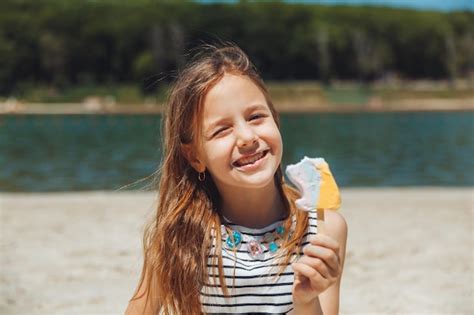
point(178, 239)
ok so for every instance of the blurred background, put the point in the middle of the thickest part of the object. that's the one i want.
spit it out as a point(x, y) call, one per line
point(383, 90)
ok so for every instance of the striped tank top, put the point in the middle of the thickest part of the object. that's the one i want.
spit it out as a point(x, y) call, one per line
point(253, 287)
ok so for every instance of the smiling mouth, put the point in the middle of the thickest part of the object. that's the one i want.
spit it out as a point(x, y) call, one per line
point(250, 160)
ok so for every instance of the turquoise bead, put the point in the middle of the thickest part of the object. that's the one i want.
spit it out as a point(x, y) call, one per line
point(273, 247)
point(280, 230)
point(237, 240)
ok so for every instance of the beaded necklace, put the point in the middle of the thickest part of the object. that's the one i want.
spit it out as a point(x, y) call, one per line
point(254, 245)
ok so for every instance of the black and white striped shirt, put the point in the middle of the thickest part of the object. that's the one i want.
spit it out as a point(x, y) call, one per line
point(254, 289)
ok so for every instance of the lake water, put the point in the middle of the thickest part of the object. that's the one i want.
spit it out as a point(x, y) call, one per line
point(107, 152)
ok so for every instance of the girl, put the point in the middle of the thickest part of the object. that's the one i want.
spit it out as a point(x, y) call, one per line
point(227, 237)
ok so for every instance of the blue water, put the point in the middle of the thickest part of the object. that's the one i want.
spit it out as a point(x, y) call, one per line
point(108, 152)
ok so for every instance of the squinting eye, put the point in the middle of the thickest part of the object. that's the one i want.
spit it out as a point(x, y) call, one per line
point(256, 116)
point(218, 131)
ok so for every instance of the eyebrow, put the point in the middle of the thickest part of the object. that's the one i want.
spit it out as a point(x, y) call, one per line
point(224, 120)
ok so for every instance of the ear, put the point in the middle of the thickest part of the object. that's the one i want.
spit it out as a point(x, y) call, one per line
point(191, 155)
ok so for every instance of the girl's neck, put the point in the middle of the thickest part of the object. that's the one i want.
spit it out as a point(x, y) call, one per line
point(253, 208)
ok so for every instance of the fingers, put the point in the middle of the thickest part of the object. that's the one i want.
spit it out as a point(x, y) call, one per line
point(314, 273)
point(318, 265)
point(322, 255)
point(325, 241)
point(304, 270)
point(323, 259)
point(308, 279)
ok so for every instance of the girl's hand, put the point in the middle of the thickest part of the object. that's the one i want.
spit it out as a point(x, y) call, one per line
point(317, 270)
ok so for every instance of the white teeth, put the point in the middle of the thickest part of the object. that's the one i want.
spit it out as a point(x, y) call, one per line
point(249, 160)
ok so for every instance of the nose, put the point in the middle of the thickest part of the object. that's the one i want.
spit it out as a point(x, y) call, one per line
point(245, 136)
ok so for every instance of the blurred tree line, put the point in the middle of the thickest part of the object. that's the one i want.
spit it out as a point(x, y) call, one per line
point(77, 42)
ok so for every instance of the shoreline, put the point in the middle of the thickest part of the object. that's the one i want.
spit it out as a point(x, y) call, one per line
point(374, 105)
point(409, 250)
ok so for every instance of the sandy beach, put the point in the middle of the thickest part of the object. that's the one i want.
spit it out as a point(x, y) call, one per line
point(410, 251)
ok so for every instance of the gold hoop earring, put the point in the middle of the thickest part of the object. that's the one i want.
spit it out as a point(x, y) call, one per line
point(201, 176)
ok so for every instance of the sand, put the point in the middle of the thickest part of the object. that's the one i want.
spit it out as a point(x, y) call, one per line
point(410, 251)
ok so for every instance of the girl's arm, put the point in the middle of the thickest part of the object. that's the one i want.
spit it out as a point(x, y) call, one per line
point(336, 228)
point(316, 289)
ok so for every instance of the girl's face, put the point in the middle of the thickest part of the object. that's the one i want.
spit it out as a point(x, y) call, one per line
point(241, 145)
